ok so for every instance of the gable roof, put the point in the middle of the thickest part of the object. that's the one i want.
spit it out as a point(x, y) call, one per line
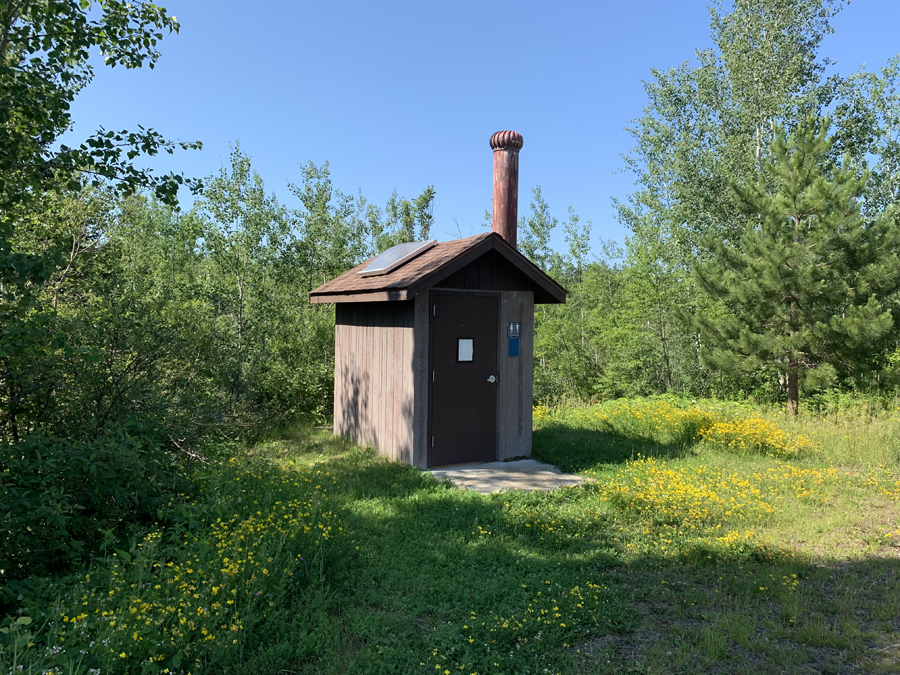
point(429, 268)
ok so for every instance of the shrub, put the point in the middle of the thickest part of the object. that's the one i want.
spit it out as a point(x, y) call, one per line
point(191, 595)
point(63, 499)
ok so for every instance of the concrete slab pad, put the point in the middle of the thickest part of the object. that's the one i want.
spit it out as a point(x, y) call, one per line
point(523, 474)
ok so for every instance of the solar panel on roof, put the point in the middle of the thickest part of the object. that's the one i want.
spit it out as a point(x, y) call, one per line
point(395, 256)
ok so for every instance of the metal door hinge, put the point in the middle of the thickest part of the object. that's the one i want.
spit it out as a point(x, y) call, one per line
point(432, 441)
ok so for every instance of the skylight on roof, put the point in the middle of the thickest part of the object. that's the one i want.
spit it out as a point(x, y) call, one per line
point(395, 256)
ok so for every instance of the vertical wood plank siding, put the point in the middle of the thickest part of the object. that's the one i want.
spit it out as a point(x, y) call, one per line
point(373, 373)
point(490, 272)
point(516, 377)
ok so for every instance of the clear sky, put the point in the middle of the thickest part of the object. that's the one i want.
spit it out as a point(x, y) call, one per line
point(406, 94)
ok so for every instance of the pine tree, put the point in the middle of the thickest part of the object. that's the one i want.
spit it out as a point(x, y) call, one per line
point(806, 282)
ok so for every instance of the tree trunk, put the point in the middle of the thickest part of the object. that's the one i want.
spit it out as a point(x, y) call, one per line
point(793, 367)
point(793, 389)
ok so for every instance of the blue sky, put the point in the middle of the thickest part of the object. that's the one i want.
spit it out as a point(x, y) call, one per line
point(406, 94)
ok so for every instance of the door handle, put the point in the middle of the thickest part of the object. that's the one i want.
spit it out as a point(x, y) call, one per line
point(492, 379)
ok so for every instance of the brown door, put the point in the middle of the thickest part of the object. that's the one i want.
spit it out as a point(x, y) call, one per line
point(464, 378)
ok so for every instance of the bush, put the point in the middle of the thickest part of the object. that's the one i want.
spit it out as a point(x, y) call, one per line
point(225, 574)
point(64, 499)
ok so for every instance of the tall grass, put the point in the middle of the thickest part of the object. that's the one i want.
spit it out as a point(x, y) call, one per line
point(861, 438)
point(851, 432)
point(688, 472)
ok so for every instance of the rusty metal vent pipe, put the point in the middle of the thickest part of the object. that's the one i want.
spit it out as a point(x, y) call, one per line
point(506, 146)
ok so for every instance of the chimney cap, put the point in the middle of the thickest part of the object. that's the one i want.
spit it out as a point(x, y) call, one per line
point(507, 140)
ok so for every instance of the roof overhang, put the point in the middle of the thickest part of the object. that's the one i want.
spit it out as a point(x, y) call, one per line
point(546, 289)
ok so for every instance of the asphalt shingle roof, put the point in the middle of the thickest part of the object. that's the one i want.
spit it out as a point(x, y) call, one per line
point(426, 269)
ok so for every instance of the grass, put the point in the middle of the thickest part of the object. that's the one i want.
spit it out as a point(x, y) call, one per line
point(774, 549)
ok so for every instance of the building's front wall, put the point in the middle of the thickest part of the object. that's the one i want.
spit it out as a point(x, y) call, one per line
point(515, 376)
point(373, 376)
point(381, 377)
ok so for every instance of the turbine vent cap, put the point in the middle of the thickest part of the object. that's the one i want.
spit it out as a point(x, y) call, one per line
point(507, 140)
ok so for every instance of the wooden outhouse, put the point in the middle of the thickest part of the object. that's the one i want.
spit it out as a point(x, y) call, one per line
point(434, 341)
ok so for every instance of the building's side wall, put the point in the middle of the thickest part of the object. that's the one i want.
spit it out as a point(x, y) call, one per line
point(373, 376)
point(516, 376)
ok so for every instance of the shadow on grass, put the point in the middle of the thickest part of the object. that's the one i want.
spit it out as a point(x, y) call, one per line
point(428, 566)
point(578, 449)
point(431, 574)
point(425, 573)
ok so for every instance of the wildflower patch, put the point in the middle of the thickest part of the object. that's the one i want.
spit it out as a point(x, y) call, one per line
point(189, 595)
point(655, 419)
point(661, 493)
point(357, 564)
point(551, 613)
point(661, 422)
point(757, 435)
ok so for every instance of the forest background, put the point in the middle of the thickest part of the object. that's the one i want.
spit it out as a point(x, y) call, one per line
point(133, 333)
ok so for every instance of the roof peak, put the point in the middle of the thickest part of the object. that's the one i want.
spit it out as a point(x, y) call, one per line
point(430, 268)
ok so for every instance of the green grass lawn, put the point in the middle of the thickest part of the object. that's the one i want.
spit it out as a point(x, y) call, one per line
point(777, 553)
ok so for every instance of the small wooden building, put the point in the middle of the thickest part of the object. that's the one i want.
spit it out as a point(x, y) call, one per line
point(434, 341)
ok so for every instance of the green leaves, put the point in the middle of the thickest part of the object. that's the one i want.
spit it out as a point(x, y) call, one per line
point(57, 495)
point(710, 123)
point(45, 50)
point(806, 281)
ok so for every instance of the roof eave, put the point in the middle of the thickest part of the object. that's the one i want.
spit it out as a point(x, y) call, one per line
point(555, 294)
point(368, 296)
